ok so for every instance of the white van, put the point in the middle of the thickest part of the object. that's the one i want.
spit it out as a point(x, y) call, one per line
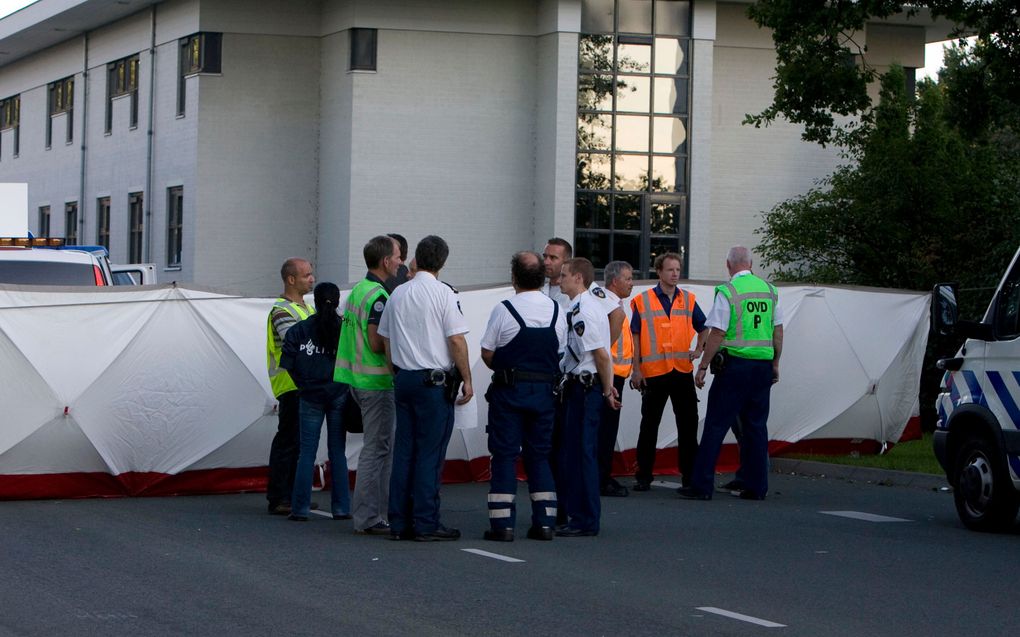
point(43, 266)
point(977, 440)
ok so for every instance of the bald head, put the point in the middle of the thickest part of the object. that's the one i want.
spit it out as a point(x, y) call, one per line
point(738, 258)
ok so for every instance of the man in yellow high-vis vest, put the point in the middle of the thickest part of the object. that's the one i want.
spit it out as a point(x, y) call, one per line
point(746, 324)
point(298, 280)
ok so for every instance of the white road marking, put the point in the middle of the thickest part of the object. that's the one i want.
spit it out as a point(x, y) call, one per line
point(744, 618)
point(667, 483)
point(495, 556)
point(322, 513)
point(867, 517)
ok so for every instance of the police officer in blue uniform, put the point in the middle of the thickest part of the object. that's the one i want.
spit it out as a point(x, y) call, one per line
point(589, 381)
point(522, 345)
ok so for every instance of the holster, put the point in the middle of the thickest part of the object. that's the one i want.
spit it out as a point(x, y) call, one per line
point(718, 362)
point(452, 385)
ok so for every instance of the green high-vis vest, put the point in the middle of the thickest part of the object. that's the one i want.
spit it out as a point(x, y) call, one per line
point(279, 379)
point(356, 363)
point(752, 308)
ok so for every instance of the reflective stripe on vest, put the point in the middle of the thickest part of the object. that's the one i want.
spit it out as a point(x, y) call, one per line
point(279, 379)
point(623, 351)
point(665, 339)
point(356, 363)
point(751, 300)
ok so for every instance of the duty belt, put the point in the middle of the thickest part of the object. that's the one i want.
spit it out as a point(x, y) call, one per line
point(585, 379)
point(513, 376)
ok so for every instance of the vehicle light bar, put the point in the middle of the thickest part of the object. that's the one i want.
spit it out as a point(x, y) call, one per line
point(31, 242)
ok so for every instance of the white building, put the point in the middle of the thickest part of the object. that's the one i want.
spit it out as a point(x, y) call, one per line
point(217, 137)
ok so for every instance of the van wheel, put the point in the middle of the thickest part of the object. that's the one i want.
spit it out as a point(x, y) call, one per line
point(984, 495)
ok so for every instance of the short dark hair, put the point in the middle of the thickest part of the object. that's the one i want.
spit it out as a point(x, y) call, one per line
point(581, 266)
point(660, 260)
point(563, 243)
point(289, 267)
point(431, 252)
point(402, 242)
point(528, 273)
point(377, 249)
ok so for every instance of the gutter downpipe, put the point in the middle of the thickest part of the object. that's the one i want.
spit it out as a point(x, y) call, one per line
point(149, 135)
point(84, 135)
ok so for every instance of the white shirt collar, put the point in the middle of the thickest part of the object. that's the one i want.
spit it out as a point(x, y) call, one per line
point(427, 275)
point(741, 273)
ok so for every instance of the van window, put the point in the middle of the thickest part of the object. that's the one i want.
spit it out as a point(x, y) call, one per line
point(1007, 311)
point(46, 273)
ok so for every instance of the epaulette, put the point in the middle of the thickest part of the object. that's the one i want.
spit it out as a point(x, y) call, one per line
point(455, 290)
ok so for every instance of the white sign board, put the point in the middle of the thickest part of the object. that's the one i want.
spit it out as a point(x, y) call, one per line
point(13, 210)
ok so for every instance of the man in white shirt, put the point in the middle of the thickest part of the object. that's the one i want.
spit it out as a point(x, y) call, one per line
point(423, 331)
point(556, 252)
point(522, 345)
point(589, 369)
point(619, 283)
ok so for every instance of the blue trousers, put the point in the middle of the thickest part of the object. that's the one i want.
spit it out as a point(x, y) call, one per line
point(424, 425)
point(311, 415)
point(577, 466)
point(741, 390)
point(521, 423)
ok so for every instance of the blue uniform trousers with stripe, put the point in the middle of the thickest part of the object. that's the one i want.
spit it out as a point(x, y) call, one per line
point(741, 390)
point(521, 423)
point(577, 466)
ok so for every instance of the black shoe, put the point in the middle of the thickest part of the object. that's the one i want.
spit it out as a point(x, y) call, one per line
point(441, 534)
point(570, 531)
point(731, 486)
point(279, 508)
point(293, 517)
point(540, 533)
point(745, 494)
point(641, 485)
point(689, 493)
point(407, 534)
point(379, 528)
point(499, 535)
point(615, 490)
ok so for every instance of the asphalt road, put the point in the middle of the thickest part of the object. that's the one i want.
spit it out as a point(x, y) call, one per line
point(218, 565)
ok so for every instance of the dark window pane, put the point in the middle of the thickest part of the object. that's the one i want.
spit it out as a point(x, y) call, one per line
point(363, 49)
point(42, 273)
point(670, 95)
point(632, 133)
point(592, 246)
point(635, 16)
point(662, 245)
point(667, 218)
point(592, 171)
point(669, 135)
point(634, 58)
point(592, 211)
point(595, 93)
point(627, 247)
point(672, 17)
point(631, 172)
point(628, 212)
point(671, 56)
point(597, 16)
point(633, 94)
point(669, 174)
point(595, 132)
point(596, 53)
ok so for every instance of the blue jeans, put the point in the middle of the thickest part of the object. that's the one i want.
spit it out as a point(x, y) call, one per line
point(310, 423)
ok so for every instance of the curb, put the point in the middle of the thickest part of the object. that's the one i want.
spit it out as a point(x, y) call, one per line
point(885, 477)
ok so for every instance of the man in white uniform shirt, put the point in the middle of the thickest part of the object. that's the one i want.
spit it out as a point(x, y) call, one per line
point(522, 345)
point(556, 252)
point(589, 369)
point(424, 329)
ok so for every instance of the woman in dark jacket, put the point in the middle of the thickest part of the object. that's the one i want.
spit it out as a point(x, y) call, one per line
point(309, 355)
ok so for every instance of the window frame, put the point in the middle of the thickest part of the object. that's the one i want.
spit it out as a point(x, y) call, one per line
point(136, 226)
point(103, 222)
point(60, 101)
point(174, 226)
point(369, 64)
point(71, 222)
point(197, 54)
point(122, 78)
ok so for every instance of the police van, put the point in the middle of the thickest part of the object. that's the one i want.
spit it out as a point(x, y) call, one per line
point(977, 439)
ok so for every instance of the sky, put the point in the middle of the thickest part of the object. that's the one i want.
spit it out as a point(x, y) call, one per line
point(932, 52)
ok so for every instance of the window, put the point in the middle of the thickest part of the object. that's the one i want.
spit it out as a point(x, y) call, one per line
point(633, 97)
point(44, 221)
point(136, 227)
point(10, 118)
point(363, 49)
point(103, 222)
point(122, 79)
point(60, 95)
point(71, 223)
point(174, 225)
point(198, 53)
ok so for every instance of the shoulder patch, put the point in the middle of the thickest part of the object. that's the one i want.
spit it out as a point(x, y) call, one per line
point(379, 306)
point(599, 292)
point(579, 328)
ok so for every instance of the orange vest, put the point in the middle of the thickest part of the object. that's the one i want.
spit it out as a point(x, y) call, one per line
point(665, 340)
point(623, 351)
